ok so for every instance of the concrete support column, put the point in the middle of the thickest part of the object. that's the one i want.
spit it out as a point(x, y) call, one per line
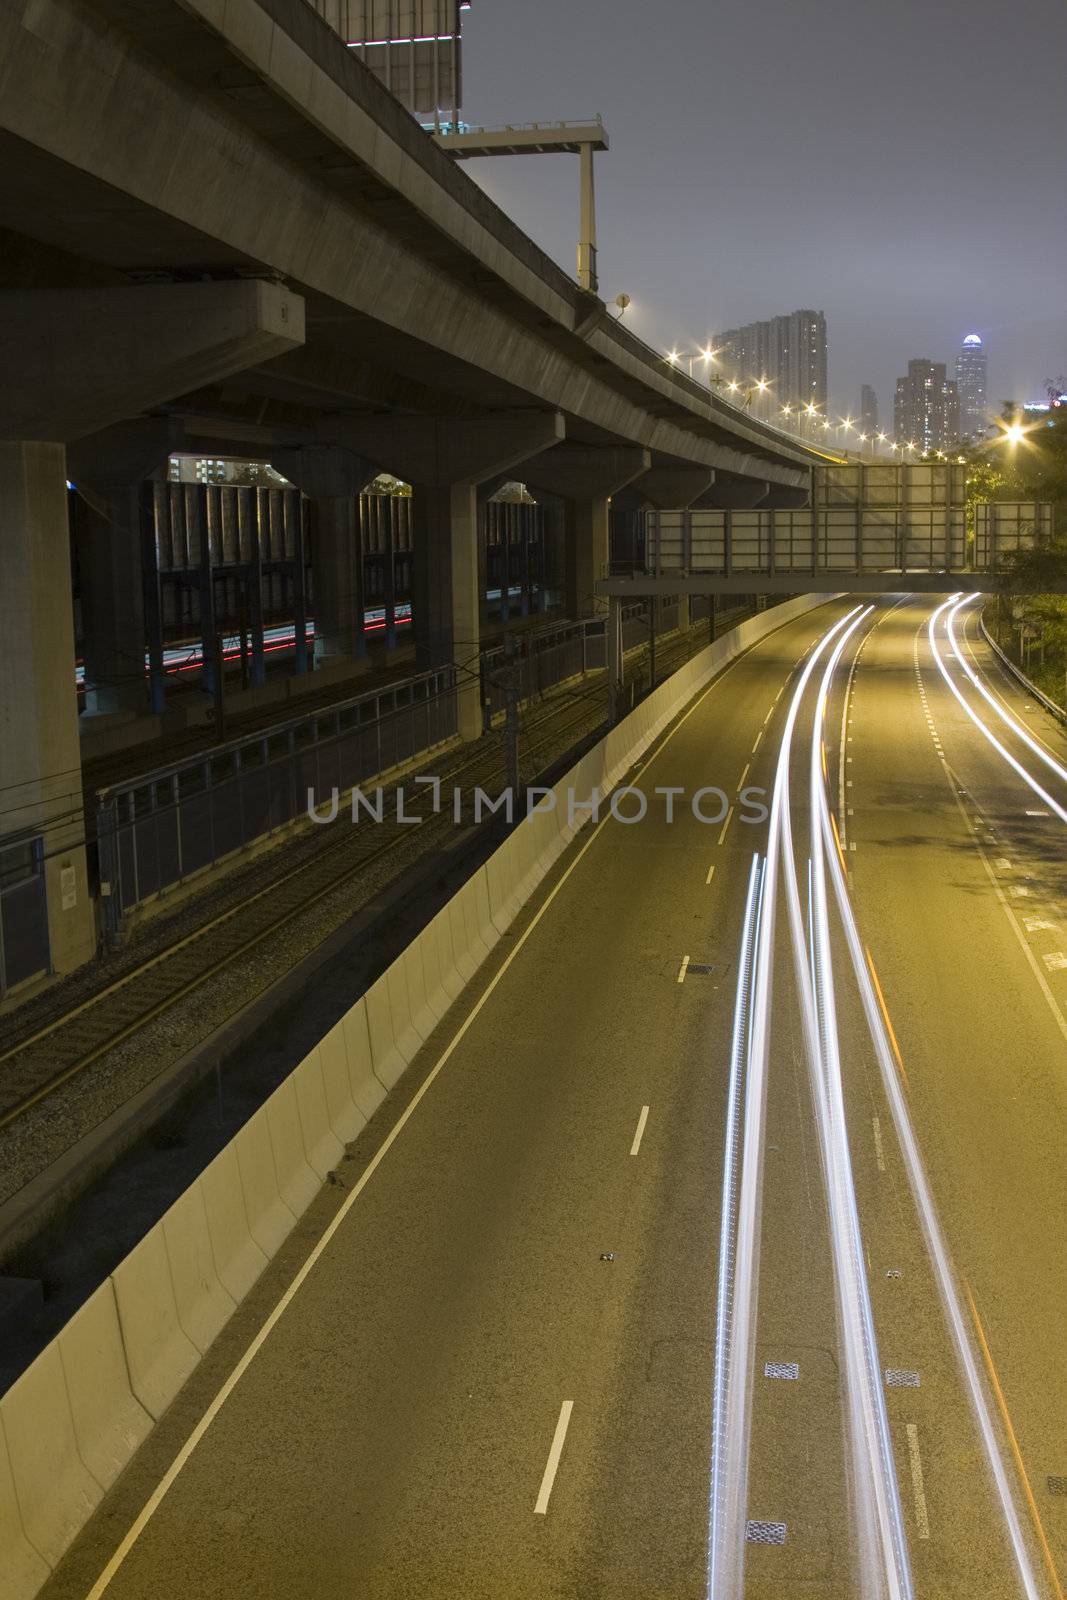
point(109, 468)
point(337, 578)
point(585, 476)
point(587, 552)
point(446, 591)
point(444, 460)
point(333, 478)
point(40, 760)
point(108, 540)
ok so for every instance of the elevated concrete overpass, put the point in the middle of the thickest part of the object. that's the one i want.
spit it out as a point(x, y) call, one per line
point(218, 231)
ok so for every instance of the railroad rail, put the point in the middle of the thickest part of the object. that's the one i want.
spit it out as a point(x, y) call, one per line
point(37, 1066)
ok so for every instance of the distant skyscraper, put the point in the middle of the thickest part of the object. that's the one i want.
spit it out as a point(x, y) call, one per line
point(926, 413)
point(788, 353)
point(413, 46)
point(972, 385)
point(868, 411)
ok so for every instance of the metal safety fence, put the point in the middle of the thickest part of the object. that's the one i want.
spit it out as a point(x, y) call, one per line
point(549, 656)
point(24, 943)
point(160, 829)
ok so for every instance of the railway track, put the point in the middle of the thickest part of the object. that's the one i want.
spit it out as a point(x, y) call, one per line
point(37, 1066)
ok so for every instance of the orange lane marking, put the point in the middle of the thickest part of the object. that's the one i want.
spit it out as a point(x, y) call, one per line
point(885, 1017)
point(1013, 1441)
point(837, 842)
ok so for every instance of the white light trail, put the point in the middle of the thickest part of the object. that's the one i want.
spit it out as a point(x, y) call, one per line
point(924, 1204)
point(884, 1566)
point(955, 603)
point(724, 1571)
point(734, 1408)
point(1001, 710)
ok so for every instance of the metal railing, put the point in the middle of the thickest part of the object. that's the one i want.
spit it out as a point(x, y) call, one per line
point(550, 656)
point(156, 831)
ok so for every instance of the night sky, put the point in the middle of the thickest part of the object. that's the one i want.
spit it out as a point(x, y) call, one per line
point(899, 166)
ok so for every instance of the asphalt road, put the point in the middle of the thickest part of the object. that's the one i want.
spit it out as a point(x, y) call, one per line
point(512, 1255)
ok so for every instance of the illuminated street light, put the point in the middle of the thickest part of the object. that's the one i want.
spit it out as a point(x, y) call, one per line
point(672, 357)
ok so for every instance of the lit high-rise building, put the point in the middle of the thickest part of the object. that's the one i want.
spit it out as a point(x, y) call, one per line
point(413, 46)
point(787, 353)
point(868, 411)
point(926, 412)
point(972, 384)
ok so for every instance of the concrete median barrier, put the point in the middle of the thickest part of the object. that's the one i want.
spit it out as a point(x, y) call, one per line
point(109, 1422)
point(239, 1260)
point(24, 1570)
point(298, 1183)
point(159, 1353)
point(466, 965)
point(368, 1090)
point(390, 1063)
point(346, 1119)
point(321, 1145)
point(204, 1306)
point(504, 877)
point(447, 964)
point(402, 1010)
point(270, 1221)
point(423, 1019)
point(438, 999)
point(56, 1492)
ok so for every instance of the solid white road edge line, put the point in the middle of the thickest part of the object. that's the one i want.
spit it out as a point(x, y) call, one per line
point(639, 1135)
point(552, 1464)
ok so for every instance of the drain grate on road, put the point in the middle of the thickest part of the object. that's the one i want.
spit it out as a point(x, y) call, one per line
point(765, 1532)
point(781, 1369)
point(701, 968)
point(901, 1378)
point(1057, 1485)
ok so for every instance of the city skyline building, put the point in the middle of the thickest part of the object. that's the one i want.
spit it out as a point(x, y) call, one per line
point(926, 406)
point(787, 353)
point(413, 46)
point(972, 383)
point(868, 410)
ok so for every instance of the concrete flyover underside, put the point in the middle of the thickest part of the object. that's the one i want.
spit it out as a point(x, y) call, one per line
point(269, 151)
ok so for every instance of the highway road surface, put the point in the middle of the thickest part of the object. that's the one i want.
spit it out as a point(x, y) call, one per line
point(727, 1252)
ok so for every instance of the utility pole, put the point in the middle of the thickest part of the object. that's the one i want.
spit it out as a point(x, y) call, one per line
point(220, 693)
point(511, 713)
